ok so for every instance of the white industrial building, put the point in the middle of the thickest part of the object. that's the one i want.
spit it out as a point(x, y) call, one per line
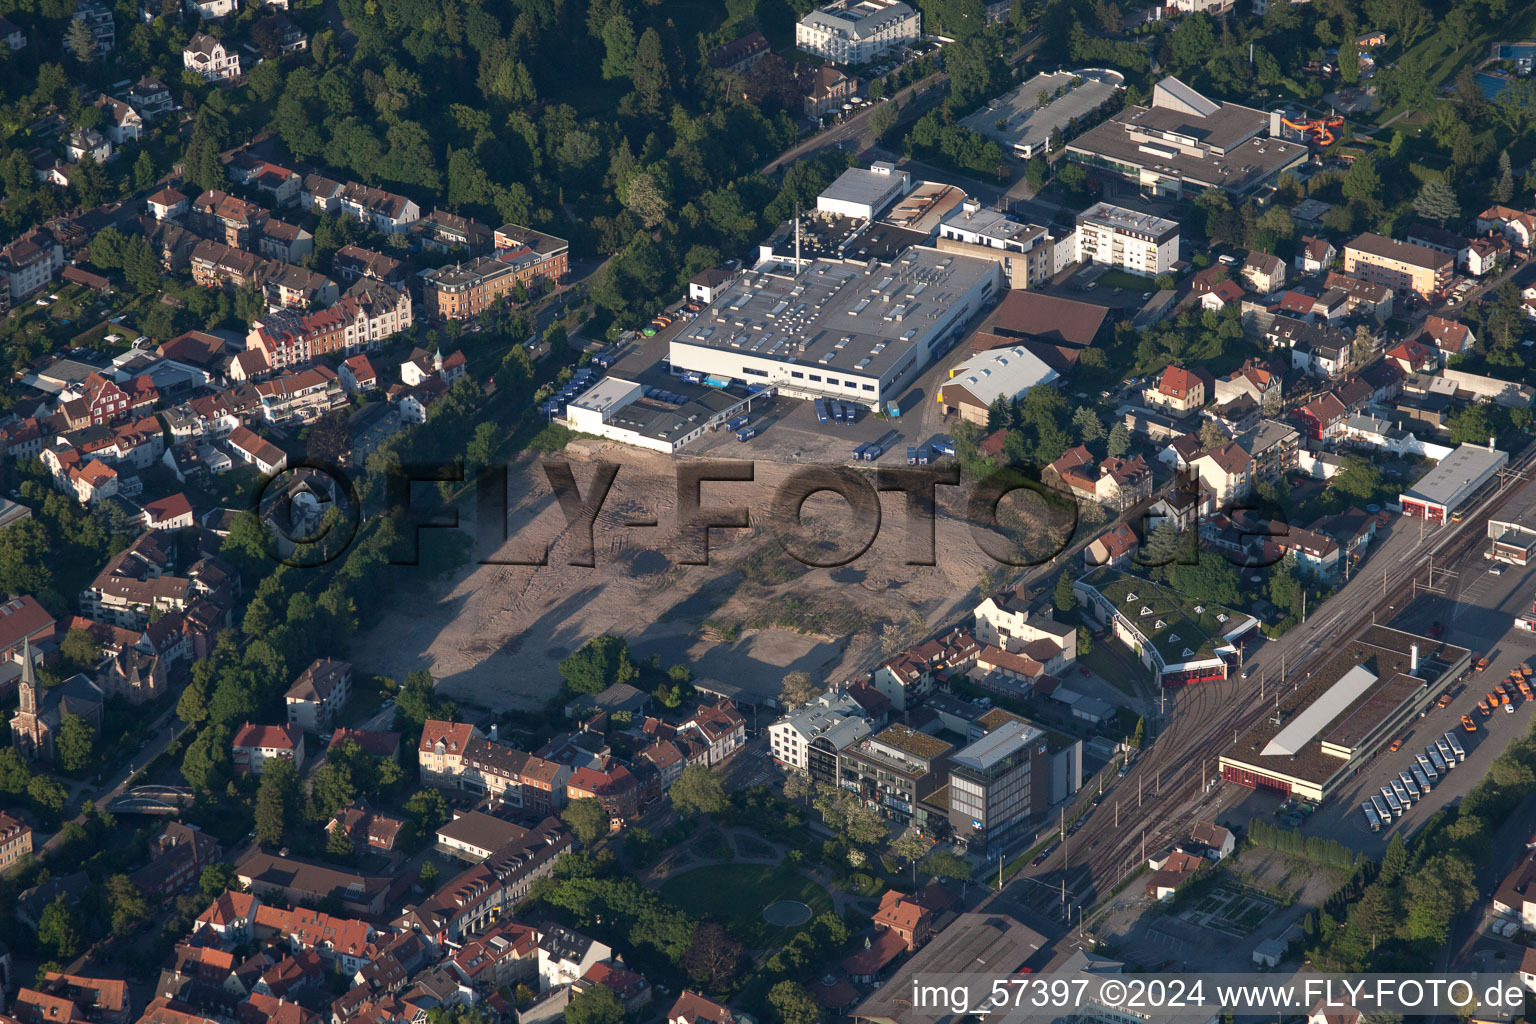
point(862, 195)
point(858, 332)
point(619, 410)
point(1439, 494)
point(1138, 242)
point(857, 31)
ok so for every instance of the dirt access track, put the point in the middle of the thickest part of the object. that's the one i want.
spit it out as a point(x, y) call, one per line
point(492, 635)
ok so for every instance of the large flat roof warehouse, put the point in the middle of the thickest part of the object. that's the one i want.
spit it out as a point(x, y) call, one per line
point(974, 948)
point(1454, 479)
point(1342, 712)
point(619, 410)
point(1026, 125)
point(1184, 137)
point(857, 331)
point(864, 193)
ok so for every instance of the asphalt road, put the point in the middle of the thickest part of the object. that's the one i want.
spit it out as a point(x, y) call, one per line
point(163, 732)
point(854, 129)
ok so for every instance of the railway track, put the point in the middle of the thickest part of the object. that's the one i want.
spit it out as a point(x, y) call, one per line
point(1161, 797)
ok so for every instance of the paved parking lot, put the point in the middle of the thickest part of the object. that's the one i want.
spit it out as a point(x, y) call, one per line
point(1476, 610)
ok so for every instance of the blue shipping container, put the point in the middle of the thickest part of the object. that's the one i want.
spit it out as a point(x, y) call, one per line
point(742, 435)
point(821, 410)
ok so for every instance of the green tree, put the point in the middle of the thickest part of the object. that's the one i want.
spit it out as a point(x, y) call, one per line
point(947, 864)
point(697, 791)
point(216, 880)
point(619, 42)
point(274, 795)
point(587, 819)
point(1119, 441)
point(1362, 183)
point(1504, 184)
point(76, 745)
point(429, 875)
point(650, 72)
point(1066, 600)
point(58, 931)
point(1436, 201)
point(129, 907)
point(81, 649)
point(1470, 425)
point(597, 1005)
point(793, 1003)
point(598, 664)
point(80, 41)
point(338, 842)
point(1087, 425)
point(910, 847)
point(1349, 63)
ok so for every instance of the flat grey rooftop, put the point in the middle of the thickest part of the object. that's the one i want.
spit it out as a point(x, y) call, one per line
point(1029, 124)
point(859, 318)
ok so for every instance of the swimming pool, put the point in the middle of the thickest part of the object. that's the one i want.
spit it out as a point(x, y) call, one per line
point(1517, 51)
point(1491, 84)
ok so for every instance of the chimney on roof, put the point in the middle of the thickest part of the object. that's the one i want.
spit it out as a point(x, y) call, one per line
point(493, 730)
point(1413, 658)
point(1490, 444)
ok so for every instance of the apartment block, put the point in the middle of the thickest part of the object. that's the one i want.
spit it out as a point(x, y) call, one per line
point(1401, 266)
point(1137, 242)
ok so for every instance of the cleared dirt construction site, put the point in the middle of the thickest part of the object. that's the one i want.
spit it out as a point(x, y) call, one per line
point(492, 634)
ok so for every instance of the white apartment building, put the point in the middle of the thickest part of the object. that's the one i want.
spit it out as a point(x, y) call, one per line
point(208, 58)
point(857, 31)
point(1028, 253)
point(1005, 621)
point(1137, 242)
point(828, 725)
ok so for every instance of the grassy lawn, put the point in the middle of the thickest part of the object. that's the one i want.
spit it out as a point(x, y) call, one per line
point(735, 895)
point(1125, 279)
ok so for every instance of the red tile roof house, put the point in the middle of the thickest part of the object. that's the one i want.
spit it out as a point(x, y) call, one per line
point(375, 744)
point(692, 1008)
point(1451, 337)
point(631, 988)
point(1173, 871)
point(615, 788)
point(906, 917)
point(1221, 295)
point(1114, 548)
point(1178, 390)
point(1322, 417)
point(358, 375)
point(1414, 357)
point(249, 448)
point(169, 513)
point(71, 997)
point(23, 619)
point(255, 745)
point(230, 917)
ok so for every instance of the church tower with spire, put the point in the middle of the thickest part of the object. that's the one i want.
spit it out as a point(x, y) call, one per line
point(24, 724)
